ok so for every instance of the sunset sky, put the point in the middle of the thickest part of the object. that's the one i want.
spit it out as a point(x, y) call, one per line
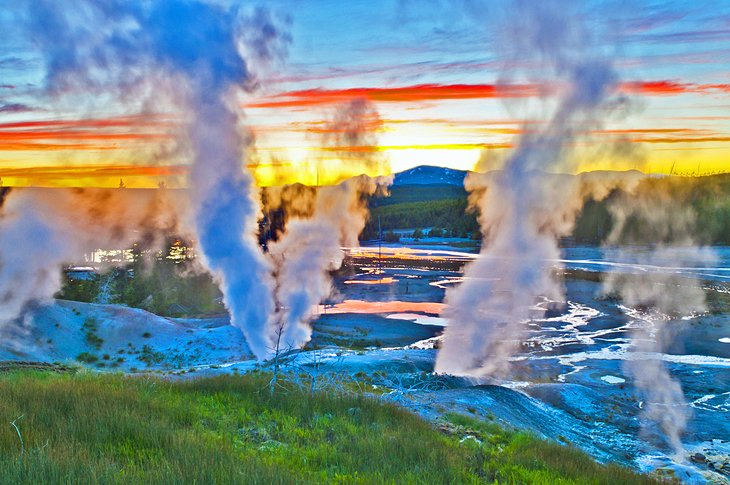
point(433, 70)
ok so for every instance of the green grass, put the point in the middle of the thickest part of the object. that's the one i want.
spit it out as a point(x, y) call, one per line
point(105, 428)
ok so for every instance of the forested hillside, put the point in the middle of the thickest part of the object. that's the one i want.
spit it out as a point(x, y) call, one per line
point(445, 207)
point(707, 197)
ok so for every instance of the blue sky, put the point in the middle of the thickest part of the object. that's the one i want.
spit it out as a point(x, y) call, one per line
point(672, 58)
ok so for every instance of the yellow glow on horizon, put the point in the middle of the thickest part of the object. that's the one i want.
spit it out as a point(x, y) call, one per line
point(311, 165)
point(674, 159)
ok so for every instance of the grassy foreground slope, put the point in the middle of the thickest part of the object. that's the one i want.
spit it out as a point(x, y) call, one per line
point(96, 428)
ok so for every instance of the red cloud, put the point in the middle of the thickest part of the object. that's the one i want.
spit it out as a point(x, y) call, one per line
point(151, 120)
point(441, 92)
point(85, 134)
point(668, 88)
point(417, 93)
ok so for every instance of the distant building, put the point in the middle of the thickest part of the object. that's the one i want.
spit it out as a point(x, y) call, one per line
point(81, 273)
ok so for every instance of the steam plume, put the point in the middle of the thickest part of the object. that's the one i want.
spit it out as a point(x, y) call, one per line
point(311, 246)
point(661, 295)
point(32, 250)
point(353, 135)
point(44, 229)
point(523, 212)
point(192, 49)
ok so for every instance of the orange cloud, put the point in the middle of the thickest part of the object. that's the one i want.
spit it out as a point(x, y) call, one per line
point(78, 134)
point(456, 122)
point(87, 171)
point(702, 139)
point(158, 120)
point(74, 134)
point(641, 131)
point(668, 135)
point(367, 148)
point(12, 146)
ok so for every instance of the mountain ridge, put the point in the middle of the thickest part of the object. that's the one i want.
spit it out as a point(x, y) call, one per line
point(430, 175)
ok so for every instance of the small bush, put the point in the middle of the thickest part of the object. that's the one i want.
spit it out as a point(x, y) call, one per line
point(87, 358)
point(89, 328)
point(149, 356)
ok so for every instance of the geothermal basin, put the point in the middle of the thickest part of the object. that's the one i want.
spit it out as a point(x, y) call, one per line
point(383, 323)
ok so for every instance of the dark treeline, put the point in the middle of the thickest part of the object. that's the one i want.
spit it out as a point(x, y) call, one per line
point(708, 197)
point(400, 194)
point(450, 216)
point(443, 208)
